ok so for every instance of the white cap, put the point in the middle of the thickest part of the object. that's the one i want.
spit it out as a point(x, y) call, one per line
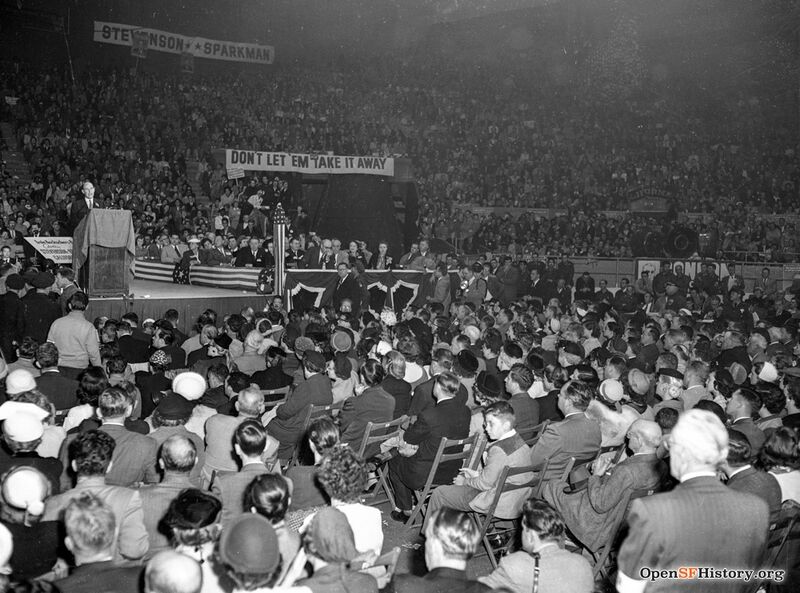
point(191, 386)
point(19, 381)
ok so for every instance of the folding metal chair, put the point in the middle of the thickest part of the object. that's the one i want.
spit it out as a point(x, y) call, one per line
point(284, 391)
point(313, 412)
point(378, 432)
point(603, 553)
point(502, 527)
point(505, 528)
point(468, 451)
point(782, 540)
point(532, 434)
point(388, 562)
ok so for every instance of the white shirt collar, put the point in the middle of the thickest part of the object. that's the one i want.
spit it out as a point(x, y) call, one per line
point(698, 474)
point(739, 470)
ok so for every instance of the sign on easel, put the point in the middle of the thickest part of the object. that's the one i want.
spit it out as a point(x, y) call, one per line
point(58, 249)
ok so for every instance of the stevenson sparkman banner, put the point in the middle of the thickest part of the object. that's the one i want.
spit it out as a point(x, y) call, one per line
point(175, 43)
point(321, 164)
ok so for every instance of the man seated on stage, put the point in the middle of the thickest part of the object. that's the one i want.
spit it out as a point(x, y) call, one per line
point(253, 256)
point(473, 490)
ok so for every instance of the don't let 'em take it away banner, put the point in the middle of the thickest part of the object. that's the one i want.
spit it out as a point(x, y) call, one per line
point(175, 43)
point(322, 164)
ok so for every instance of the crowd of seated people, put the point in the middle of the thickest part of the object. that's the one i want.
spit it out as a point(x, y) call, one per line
point(133, 137)
point(183, 451)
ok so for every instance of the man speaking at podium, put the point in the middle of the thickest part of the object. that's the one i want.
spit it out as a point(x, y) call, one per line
point(81, 206)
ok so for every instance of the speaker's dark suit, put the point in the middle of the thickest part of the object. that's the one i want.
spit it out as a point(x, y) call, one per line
point(78, 210)
point(448, 418)
point(347, 289)
point(701, 522)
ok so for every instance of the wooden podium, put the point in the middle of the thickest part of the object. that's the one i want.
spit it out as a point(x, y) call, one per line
point(104, 247)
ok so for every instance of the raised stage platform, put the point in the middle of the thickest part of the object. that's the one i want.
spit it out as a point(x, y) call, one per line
point(151, 299)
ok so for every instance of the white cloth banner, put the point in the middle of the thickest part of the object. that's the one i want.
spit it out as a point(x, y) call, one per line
point(59, 249)
point(175, 43)
point(320, 164)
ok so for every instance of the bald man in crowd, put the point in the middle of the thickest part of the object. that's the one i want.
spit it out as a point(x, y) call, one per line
point(172, 572)
point(177, 457)
point(592, 512)
point(701, 522)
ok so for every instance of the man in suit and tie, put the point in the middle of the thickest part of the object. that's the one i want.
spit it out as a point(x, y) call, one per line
point(474, 490)
point(441, 286)
point(347, 288)
point(60, 390)
point(320, 257)
point(91, 530)
point(249, 442)
point(12, 317)
point(252, 257)
point(65, 282)
point(134, 460)
point(173, 252)
point(90, 455)
point(591, 513)
point(743, 477)
point(82, 206)
point(177, 457)
point(217, 255)
point(508, 277)
point(156, 247)
point(526, 409)
point(743, 405)
point(286, 420)
point(448, 418)
point(700, 523)
point(768, 285)
point(576, 435)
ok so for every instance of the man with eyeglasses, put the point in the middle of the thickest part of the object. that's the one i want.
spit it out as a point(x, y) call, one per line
point(320, 257)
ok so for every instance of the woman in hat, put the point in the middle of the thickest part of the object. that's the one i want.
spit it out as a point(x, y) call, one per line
point(488, 389)
point(36, 543)
point(192, 520)
point(190, 257)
